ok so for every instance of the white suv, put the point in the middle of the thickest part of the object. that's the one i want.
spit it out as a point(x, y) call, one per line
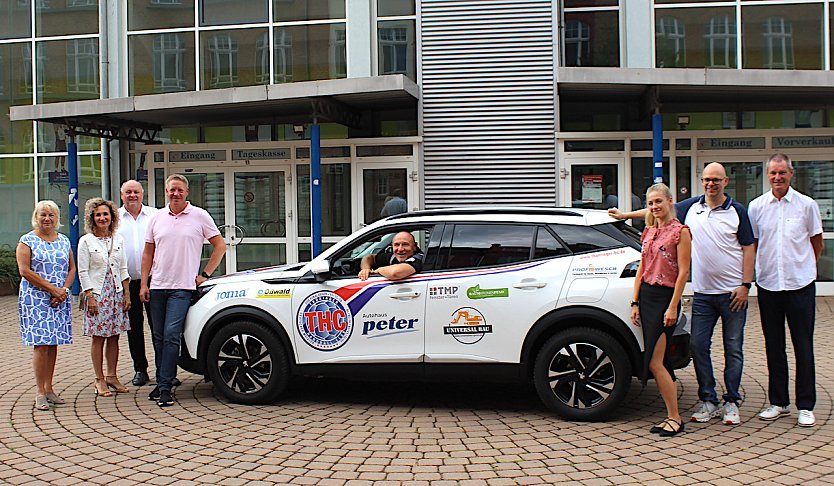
point(515, 293)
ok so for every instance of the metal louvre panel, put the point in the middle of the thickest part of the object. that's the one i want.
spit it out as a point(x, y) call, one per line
point(488, 102)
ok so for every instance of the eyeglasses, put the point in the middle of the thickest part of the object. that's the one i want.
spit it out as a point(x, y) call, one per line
point(711, 180)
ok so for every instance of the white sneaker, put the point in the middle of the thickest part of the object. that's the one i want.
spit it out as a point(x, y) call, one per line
point(707, 411)
point(773, 412)
point(731, 416)
point(806, 418)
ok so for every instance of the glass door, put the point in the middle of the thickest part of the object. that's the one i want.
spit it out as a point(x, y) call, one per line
point(597, 183)
point(260, 218)
point(385, 191)
point(207, 190)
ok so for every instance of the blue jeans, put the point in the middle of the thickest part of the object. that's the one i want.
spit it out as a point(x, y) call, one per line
point(706, 309)
point(168, 310)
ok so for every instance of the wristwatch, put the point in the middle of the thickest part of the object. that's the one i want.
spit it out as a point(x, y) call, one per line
point(635, 303)
point(204, 274)
point(747, 285)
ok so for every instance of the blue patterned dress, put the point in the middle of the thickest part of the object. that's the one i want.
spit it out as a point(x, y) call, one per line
point(41, 324)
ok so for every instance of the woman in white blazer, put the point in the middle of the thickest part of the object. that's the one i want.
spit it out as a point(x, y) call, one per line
point(105, 297)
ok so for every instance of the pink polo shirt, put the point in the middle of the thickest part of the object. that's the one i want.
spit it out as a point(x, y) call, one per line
point(178, 243)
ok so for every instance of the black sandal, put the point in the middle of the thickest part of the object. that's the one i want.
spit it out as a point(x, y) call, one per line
point(671, 433)
point(657, 428)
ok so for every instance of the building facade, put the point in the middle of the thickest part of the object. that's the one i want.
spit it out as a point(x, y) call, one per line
point(542, 102)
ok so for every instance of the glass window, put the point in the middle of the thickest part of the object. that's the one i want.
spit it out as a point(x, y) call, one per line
point(385, 193)
point(590, 3)
point(746, 180)
point(159, 14)
point(592, 38)
point(825, 267)
point(484, 245)
point(16, 19)
point(336, 200)
point(683, 178)
point(642, 177)
point(230, 58)
point(695, 37)
point(310, 52)
point(670, 41)
point(397, 51)
point(254, 255)
point(82, 66)
point(161, 63)
point(70, 70)
point(347, 262)
point(388, 8)
point(720, 37)
point(53, 183)
point(224, 12)
point(293, 10)
point(584, 238)
point(816, 179)
point(15, 89)
point(17, 198)
point(775, 37)
point(260, 204)
point(53, 138)
point(547, 246)
point(80, 17)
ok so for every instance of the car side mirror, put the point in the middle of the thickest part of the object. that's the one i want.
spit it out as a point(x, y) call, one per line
point(321, 269)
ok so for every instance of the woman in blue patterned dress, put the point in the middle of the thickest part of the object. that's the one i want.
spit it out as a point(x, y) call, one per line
point(102, 271)
point(44, 260)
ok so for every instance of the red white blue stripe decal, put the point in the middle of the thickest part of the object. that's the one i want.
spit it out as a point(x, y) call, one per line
point(358, 294)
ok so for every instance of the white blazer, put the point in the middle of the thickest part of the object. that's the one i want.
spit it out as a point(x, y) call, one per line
point(93, 262)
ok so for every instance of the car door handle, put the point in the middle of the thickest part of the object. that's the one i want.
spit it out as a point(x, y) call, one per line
point(404, 295)
point(529, 285)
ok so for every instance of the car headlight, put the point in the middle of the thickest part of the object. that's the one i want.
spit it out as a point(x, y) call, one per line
point(630, 270)
point(200, 292)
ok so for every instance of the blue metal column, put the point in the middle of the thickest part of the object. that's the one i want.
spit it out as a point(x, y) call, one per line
point(72, 170)
point(657, 146)
point(315, 187)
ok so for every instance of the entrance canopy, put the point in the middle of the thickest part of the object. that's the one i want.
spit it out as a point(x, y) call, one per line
point(138, 117)
point(699, 90)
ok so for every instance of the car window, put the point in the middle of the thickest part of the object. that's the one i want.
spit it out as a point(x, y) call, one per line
point(582, 239)
point(483, 245)
point(623, 232)
point(547, 246)
point(347, 262)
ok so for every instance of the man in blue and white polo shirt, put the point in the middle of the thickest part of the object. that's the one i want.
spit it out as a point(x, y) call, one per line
point(723, 258)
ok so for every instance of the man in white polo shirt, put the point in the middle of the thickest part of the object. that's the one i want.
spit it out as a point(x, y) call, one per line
point(723, 259)
point(788, 229)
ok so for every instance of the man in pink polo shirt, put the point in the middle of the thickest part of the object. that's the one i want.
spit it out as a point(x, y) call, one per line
point(173, 245)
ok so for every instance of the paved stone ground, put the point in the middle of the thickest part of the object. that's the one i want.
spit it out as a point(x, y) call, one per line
point(330, 432)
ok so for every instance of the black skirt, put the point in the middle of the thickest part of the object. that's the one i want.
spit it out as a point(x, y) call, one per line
point(654, 300)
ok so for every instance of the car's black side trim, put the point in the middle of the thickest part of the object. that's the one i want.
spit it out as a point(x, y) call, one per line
point(242, 312)
point(432, 372)
point(577, 316)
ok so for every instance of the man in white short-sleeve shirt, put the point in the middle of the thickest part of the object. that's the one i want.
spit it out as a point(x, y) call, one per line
point(134, 218)
point(788, 229)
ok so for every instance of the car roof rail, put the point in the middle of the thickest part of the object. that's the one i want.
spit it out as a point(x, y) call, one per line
point(548, 211)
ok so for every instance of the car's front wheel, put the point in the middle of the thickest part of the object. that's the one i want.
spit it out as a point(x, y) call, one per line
point(582, 374)
point(247, 363)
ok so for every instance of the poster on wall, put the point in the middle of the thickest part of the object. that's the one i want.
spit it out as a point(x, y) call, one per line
point(592, 188)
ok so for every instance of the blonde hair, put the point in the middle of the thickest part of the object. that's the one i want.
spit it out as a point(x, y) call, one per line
point(89, 214)
point(176, 177)
point(667, 193)
point(46, 204)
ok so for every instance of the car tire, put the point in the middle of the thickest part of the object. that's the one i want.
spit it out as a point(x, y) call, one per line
point(582, 374)
point(247, 363)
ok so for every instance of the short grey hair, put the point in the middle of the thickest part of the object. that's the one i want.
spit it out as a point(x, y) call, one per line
point(780, 157)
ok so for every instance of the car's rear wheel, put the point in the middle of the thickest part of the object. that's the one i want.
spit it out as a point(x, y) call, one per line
point(247, 363)
point(582, 374)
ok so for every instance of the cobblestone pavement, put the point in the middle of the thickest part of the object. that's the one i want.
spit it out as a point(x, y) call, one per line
point(332, 432)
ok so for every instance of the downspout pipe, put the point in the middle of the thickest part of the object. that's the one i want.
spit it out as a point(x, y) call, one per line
point(104, 91)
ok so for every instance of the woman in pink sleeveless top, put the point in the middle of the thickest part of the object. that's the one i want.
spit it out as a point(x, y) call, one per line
point(658, 286)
